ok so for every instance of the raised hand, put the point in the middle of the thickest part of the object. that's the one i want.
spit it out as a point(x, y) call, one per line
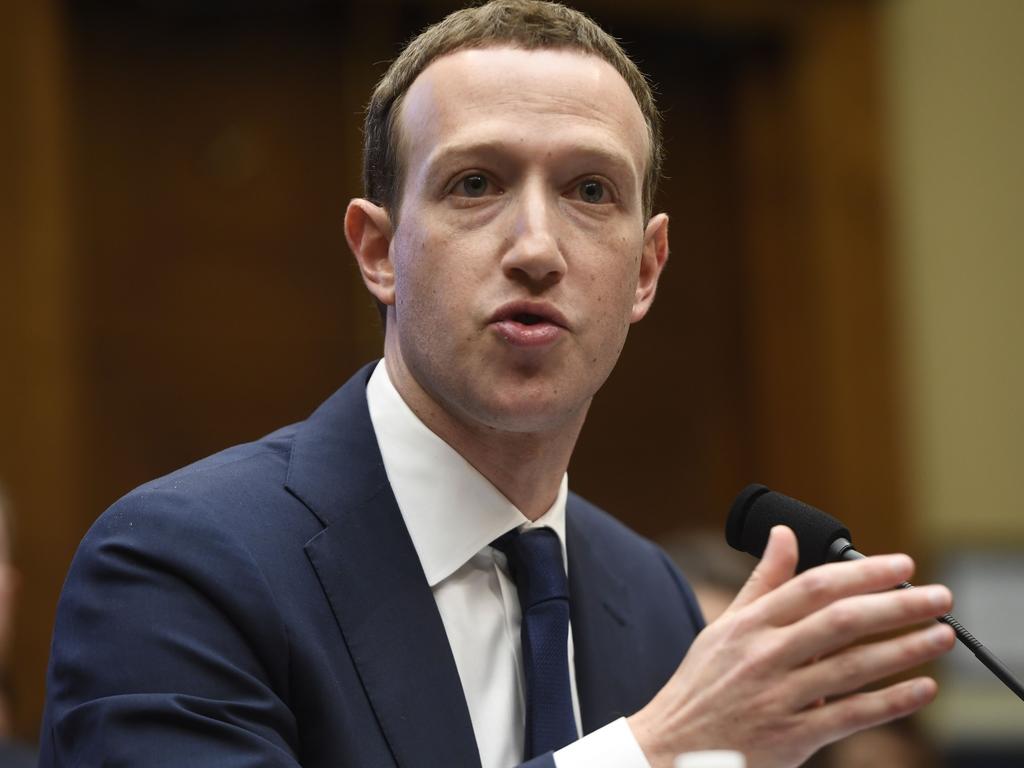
point(773, 677)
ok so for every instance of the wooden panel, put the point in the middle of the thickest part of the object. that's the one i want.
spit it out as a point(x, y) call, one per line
point(781, 289)
point(819, 286)
point(40, 376)
point(840, 90)
point(212, 167)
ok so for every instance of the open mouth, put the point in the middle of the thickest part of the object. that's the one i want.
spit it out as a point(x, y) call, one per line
point(529, 324)
point(526, 318)
point(530, 317)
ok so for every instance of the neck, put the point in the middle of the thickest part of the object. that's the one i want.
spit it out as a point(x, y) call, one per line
point(526, 467)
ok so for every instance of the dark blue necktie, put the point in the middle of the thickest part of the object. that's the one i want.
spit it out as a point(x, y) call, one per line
point(535, 561)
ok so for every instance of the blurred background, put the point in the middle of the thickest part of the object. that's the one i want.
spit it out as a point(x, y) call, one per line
point(840, 318)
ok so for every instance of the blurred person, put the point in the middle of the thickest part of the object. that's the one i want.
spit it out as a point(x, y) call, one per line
point(901, 744)
point(716, 571)
point(12, 753)
point(404, 577)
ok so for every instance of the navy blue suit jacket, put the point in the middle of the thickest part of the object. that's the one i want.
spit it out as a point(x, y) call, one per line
point(265, 607)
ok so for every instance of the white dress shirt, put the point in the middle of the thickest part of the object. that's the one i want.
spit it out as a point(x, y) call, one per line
point(453, 513)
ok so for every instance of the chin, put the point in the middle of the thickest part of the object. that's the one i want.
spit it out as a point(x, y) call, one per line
point(532, 413)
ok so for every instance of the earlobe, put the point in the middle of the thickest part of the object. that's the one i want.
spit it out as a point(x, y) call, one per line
point(368, 232)
point(652, 261)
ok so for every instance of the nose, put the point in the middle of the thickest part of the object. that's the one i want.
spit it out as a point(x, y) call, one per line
point(534, 255)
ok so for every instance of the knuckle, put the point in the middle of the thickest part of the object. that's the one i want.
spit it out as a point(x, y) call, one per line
point(757, 575)
point(851, 718)
point(850, 666)
point(910, 653)
point(900, 704)
point(816, 584)
point(843, 618)
point(888, 704)
point(761, 658)
point(749, 619)
point(843, 717)
point(758, 656)
point(872, 708)
point(930, 639)
point(934, 640)
point(767, 653)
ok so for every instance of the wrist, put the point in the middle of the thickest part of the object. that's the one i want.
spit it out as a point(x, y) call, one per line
point(650, 737)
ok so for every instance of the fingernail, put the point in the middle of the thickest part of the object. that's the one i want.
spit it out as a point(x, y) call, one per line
point(900, 564)
point(938, 636)
point(922, 689)
point(938, 596)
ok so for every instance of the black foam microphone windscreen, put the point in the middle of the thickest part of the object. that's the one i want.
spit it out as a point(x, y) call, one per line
point(757, 509)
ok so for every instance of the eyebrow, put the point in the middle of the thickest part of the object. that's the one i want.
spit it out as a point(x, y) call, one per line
point(599, 155)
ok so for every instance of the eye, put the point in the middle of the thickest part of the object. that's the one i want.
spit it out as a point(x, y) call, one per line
point(592, 191)
point(474, 185)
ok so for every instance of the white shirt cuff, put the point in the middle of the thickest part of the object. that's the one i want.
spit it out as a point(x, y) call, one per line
point(613, 746)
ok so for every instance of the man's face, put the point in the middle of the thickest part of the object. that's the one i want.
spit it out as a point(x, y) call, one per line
point(521, 254)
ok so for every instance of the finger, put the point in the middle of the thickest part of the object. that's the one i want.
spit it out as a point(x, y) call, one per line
point(818, 587)
point(856, 667)
point(777, 566)
point(842, 717)
point(820, 700)
point(849, 619)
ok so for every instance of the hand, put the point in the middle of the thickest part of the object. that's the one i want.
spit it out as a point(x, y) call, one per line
point(763, 679)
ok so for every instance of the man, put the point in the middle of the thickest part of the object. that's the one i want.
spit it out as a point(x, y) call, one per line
point(330, 595)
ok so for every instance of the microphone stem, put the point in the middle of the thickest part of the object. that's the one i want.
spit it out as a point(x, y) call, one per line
point(983, 654)
point(842, 549)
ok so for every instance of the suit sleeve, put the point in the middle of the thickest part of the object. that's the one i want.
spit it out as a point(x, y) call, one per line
point(547, 760)
point(690, 602)
point(167, 649)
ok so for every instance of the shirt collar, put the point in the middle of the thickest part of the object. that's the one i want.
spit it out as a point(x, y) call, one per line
point(450, 509)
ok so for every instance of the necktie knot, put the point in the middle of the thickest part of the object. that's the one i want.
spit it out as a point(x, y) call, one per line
point(535, 561)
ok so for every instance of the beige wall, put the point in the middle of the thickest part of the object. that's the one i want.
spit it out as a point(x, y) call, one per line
point(956, 120)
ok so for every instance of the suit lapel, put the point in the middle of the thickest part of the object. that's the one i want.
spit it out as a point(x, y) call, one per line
point(373, 580)
point(601, 627)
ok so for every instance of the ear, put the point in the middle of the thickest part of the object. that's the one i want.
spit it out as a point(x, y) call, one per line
point(368, 232)
point(652, 261)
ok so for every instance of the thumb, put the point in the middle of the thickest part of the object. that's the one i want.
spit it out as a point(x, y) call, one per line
point(777, 566)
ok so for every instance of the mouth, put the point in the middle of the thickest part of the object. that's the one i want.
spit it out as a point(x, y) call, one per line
point(529, 324)
point(527, 318)
point(530, 314)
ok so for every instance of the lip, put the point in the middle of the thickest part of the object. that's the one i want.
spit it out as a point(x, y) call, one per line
point(508, 323)
point(543, 310)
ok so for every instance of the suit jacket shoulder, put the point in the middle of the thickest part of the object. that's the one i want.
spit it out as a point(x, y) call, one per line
point(266, 606)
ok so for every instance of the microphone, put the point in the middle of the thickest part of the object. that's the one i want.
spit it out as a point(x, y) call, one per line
point(824, 539)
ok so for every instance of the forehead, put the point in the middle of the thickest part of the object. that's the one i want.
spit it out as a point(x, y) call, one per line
point(546, 98)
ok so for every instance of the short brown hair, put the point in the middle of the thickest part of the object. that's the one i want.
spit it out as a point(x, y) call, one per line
point(527, 24)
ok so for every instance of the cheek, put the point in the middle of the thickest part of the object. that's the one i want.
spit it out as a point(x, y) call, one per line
point(614, 278)
point(411, 253)
point(613, 290)
point(431, 278)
